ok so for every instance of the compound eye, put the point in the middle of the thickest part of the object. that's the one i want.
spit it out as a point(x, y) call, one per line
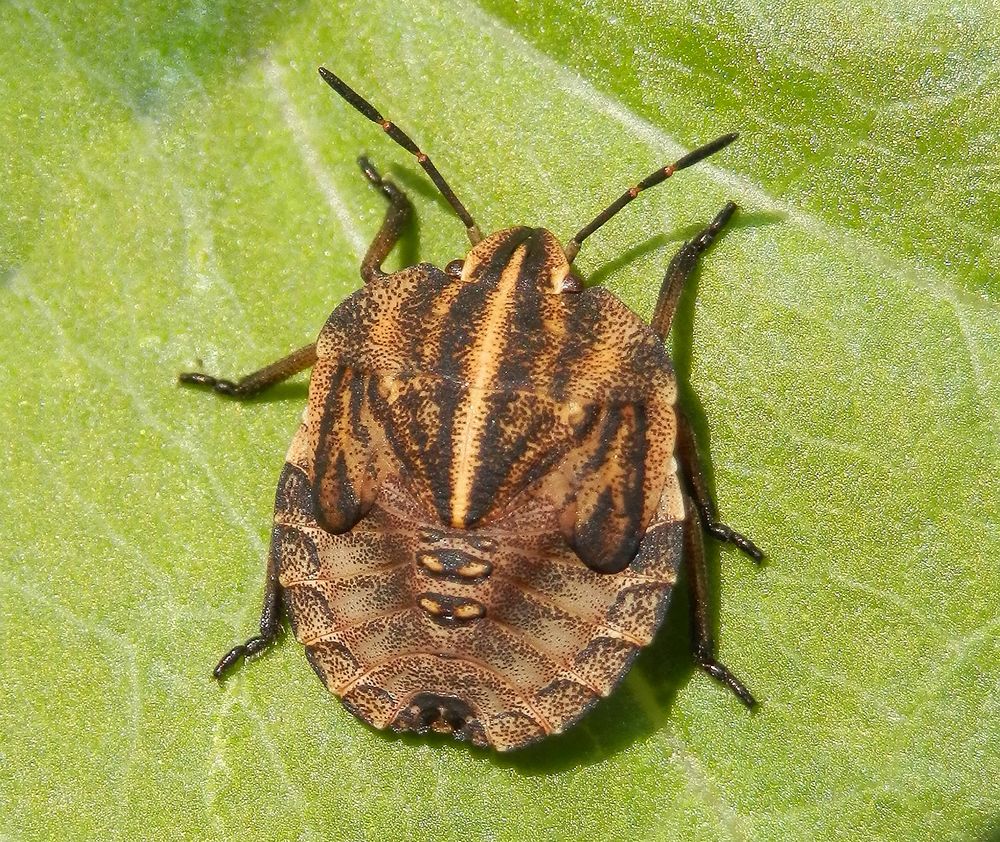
point(454, 269)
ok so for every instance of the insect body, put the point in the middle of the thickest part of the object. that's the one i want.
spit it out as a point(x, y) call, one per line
point(481, 517)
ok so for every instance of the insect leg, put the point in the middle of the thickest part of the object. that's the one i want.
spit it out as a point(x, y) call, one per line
point(694, 475)
point(704, 641)
point(270, 621)
point(395, 218)
point(257, 381)
point(680, 270)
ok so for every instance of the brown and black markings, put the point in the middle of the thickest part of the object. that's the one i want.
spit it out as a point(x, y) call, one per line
point(482, 514)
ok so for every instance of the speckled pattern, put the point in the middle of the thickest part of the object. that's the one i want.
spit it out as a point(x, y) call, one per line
point(479, 523)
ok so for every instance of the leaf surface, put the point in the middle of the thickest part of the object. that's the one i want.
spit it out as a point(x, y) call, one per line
point(180, 189)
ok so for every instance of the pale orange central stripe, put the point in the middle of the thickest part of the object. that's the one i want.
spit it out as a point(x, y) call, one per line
point(472, 413)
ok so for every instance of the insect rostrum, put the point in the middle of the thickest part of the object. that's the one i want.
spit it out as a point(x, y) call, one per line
point(481, 517)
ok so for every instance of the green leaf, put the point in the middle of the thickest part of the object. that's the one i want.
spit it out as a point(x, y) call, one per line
point(179, 189)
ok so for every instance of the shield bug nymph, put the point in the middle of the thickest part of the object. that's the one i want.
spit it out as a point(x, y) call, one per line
point(481, 517)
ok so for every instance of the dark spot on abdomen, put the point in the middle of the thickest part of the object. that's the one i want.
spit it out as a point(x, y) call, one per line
point(453, 565)
point(450, 610)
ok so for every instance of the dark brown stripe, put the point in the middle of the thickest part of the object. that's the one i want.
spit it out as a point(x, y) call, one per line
point(359, 384)
point(294, 496)
point(608, 538)
point(473, 309)
point(505, 449)
point(341, 430)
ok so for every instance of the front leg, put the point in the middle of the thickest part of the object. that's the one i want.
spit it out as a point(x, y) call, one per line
point(257, 381)
point(682, 267)
point(678, 273)
point(392, 226)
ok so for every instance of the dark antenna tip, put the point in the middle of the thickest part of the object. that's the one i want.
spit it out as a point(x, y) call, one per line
point(362, 105)
point(651, 180)
point(702, 152)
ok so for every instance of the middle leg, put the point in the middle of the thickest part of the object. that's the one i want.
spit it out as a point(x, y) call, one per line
point(694, 478)
point(257, 381)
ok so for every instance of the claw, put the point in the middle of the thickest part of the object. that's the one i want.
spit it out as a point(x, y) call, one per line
point(731, 536)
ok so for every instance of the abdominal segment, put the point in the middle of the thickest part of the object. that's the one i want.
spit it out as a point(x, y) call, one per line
point(498, 635)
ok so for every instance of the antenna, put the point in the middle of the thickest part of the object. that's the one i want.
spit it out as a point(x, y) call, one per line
point(651, 180)
point(398, 135)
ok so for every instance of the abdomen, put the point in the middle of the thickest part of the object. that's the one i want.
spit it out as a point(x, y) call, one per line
point(498, 635)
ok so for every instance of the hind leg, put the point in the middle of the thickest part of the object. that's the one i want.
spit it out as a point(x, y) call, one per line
point(270, 622)
point(702, 637)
